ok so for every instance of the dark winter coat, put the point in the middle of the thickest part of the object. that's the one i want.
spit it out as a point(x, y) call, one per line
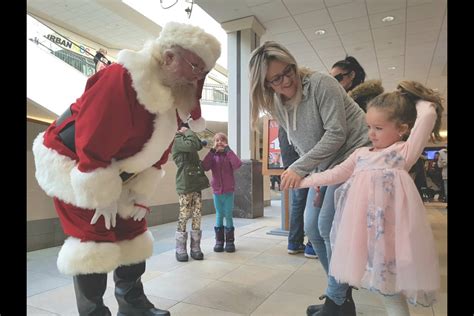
point(190, 176)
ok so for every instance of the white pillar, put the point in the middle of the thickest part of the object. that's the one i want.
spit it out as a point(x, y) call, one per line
point(243, 37)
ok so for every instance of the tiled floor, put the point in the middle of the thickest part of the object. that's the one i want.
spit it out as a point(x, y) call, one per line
point(260, 278)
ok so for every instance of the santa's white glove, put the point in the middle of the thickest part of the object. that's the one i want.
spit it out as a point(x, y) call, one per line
point(140, 206)
point(109, 213)
point(139, 211)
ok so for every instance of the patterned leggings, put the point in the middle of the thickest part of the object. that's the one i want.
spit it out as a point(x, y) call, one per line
point(189, 206)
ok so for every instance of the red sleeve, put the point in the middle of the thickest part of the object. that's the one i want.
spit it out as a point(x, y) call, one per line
point(104, 118)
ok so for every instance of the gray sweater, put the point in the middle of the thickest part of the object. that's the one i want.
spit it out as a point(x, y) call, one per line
point(329, 125)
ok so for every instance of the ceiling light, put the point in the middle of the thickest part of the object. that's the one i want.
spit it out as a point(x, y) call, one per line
point(320, 32)
point(392, 68)
point(388, 19)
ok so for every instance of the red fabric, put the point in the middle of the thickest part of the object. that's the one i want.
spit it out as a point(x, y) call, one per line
point(110, 122)
point(75, 222)
point(196, 112)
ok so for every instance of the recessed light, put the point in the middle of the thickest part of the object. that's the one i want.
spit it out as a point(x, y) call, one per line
point(320, 32)
point(392, 68)
point(388, 19)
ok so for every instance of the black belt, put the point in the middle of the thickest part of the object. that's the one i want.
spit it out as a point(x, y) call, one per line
point(67, 135)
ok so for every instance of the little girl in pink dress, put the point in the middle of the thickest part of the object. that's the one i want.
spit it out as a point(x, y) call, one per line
point(381, 238)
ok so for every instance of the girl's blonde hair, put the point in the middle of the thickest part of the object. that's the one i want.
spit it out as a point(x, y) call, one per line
point(220, 136)
point(262, 97)
point(401, 104)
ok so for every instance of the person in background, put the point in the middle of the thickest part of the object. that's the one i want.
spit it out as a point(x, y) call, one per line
point(434, 172)
point(223, 162)
point(298, 203)
point(365, 92)
point(418, 174)
point(325, 126)
point(100, 60)
point(190, 181)
point(101, 162)
point(443, 163)
point(373, 247)
point(275, 179)
point(348, 72)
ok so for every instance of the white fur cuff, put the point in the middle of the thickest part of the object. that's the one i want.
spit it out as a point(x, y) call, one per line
point(98, 188)
point(146, 182)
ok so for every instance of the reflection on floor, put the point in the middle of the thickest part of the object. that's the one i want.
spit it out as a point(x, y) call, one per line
point(260, 278)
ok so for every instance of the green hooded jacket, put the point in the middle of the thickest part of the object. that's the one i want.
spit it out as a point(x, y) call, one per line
point(190, 176)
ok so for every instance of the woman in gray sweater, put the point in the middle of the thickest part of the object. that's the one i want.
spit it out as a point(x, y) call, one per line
point(325, 126)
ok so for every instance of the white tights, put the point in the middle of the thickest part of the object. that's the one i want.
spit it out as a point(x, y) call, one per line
point(396, 305)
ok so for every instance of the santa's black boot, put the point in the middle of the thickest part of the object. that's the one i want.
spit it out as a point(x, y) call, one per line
point(129, 292)
point(89, 290)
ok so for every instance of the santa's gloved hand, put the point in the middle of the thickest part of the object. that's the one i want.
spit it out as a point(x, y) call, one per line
point(140, 206)
point(109, 213)
point(139, 211)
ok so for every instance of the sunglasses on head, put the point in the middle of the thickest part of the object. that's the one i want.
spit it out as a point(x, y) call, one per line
point(340, 76)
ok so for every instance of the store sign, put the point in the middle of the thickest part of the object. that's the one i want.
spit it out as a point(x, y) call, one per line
point(67, 44)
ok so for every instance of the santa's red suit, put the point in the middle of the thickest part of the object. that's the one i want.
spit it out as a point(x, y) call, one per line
point(124, 121)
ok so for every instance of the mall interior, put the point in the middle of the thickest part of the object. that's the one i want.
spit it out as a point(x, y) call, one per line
point(393, 40)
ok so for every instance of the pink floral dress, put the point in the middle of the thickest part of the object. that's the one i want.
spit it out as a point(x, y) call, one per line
point(381, 238)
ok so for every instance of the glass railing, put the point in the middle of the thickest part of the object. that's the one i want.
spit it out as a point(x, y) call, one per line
point(215, 94)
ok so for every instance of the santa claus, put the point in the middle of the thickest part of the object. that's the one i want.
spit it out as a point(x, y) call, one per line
point(101, 161)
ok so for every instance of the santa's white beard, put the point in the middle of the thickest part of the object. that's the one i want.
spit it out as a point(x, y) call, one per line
point(183, 91)
point(184, 97)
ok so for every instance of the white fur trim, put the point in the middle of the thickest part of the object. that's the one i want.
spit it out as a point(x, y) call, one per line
point(98, 188)
point(59, 177)
point(192, 38)
point(146, 182)
point(136, 250)
point(143, 68)
point(52, 171)
point(76, 257)
point(165, 127)
point(197, 125)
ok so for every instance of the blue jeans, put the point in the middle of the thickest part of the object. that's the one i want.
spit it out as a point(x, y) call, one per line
point(317, 226)
point(224, 204)
point(298, 204)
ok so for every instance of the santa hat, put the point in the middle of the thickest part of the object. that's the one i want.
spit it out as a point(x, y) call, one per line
point(196, 122)
point(192, 38)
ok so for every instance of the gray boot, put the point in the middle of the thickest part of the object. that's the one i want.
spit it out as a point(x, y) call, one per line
point(181, 253)
point(196, 252)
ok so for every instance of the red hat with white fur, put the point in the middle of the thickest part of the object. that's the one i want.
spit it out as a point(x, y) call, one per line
point(196, 122)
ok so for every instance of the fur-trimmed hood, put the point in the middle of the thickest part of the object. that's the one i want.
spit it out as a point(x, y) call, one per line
point(365, 92)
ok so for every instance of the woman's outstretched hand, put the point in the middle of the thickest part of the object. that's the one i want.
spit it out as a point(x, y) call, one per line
point(290, 179)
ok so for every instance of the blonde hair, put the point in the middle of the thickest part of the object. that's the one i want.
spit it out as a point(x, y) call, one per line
point(262, 97)
point(401, 104)
point(221, 136)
